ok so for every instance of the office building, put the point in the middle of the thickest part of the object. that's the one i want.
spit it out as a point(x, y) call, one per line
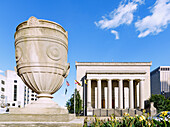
point(160, 81)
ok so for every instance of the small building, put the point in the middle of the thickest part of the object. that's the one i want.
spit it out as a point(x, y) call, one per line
point(160, 81)
point(2, 94)
point(113, 85)
point(13, 92)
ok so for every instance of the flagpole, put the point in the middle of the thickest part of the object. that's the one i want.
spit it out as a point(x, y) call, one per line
point(85, 90)
point(65, 97)
point(84, 98)
point(74, 99)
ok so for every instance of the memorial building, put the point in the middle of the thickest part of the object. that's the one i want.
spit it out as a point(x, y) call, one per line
point(113, 85)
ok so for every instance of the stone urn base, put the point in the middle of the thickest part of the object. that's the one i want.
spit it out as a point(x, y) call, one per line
point(44, 112)
point(41, 106)
point(40, 120)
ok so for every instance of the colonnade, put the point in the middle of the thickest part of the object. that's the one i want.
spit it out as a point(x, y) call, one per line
point(120, 93)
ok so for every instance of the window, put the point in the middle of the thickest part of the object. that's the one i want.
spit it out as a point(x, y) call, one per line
point(35, 99)
point(2, 82)
point(15, 92)
point(13, 104)
point(15, 81)
point(32, 95)
point(2, 89)
point(8, 104)
point(2, 97)
point(32, 99)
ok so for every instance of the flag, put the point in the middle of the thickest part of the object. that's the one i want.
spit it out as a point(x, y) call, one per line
point(85, 81)
point(65, 91)
point(76, 82)
point(67, 83)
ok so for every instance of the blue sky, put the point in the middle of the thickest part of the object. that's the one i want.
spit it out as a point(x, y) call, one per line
point(99, 31)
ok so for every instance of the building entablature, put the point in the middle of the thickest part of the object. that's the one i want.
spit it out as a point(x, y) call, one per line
point(116, 76)
point(115, 72)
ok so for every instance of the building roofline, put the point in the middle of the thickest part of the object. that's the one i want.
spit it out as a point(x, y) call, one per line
point(113, 63)
point(159, 68)
point(164, 66)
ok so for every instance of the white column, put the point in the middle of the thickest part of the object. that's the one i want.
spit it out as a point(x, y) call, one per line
point(105, 96)
point(95, 97)
point(131, 95)
point(109, 93)
point(141, 92)
point(99, 93)
point(137, 91)
point(116, 95)
point(89, 94)
point(126, 98)
point(120, 94)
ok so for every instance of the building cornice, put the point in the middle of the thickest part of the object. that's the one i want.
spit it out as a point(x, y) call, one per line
point(113, 63)
point(114, 72)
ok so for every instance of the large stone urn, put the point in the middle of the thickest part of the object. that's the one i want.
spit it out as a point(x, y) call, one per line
point(41, 55)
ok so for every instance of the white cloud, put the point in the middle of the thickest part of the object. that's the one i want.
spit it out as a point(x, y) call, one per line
point(1, 71)
point(122, 15)
point(157, 21)
point(140, 1)
point(115, 33)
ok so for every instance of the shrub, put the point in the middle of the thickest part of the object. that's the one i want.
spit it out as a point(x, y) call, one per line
point(128, 121)
point(160, 103)
point(78, 103)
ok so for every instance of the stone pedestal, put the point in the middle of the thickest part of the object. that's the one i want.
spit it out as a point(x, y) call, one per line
point(139, 112)
point(111, 111)
point(40, 113)
point(36, 117)
point(118, 112)
point(41, 106)
point(124, 111)
point(38, 120)
point(89, 112)
point(97, 112)
point(153, 110)
point(132, 112)
point(104, 112)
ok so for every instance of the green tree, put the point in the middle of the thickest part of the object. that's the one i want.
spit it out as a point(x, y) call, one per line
point(78, 105)
point(160, 103)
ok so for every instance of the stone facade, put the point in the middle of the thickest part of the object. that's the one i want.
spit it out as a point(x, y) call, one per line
point(114, 85)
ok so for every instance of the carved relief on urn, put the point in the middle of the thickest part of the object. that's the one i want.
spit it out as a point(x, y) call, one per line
point(41, 55)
